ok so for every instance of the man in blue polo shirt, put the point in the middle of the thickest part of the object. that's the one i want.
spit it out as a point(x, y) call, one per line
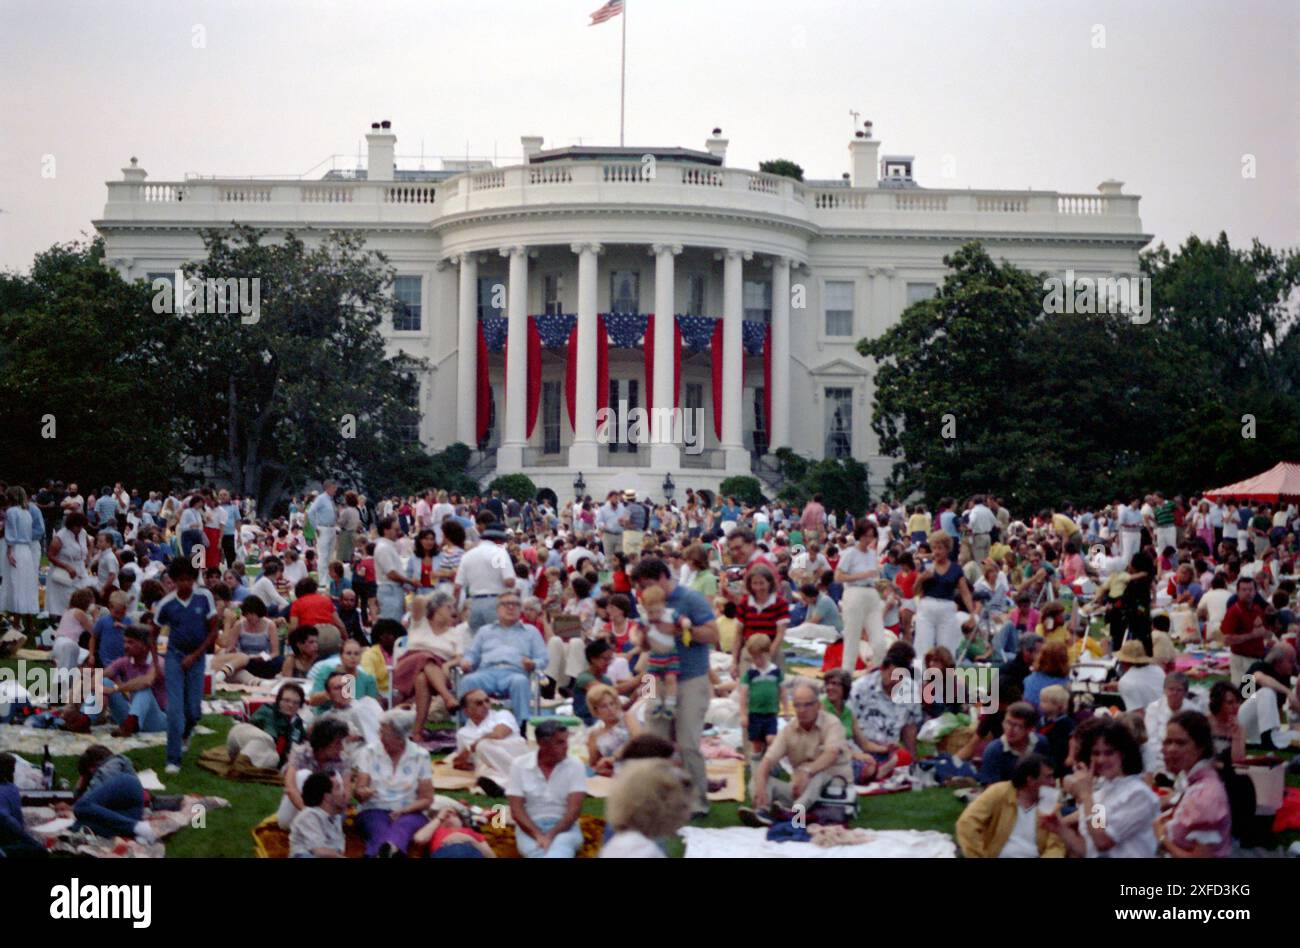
point(693, 689)
point(191, 617)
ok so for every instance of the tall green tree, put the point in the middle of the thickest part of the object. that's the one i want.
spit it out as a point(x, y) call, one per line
point(86, 390)
point(307, 389)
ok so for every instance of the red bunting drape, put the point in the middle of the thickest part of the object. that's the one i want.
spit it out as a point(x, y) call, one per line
point(571, 378)
point(484, 389)
point(767, 381)
point(534, 374)
point(649, 351)
point(677, 363)
point(715, 351)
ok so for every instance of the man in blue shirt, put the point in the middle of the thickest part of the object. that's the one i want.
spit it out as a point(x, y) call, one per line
point(693, 689)
point(105, 509)
point(190, 614)
point(229, 526)
point(502, 657)
point(106, 634)
point(324, 519)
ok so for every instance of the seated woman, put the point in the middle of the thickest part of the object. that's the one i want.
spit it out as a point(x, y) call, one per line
point(273, 732)
point(1229, 737)
point(1052, 668)
point(323, 752)
point(1200, 825)
point(448, 837)
point(394, 787)
point(74, 627)
point(109, 798)
point(244, 641)
point(1110, 778)
point(611, 732)
point(377, 659)
point(419, 673)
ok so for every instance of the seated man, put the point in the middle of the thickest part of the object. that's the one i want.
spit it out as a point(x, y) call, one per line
point(546, 789)
point(135, 686)
point(317, 831)
point(360, 714)
point(488, 743)
point(818, 750)
point(1002, 822)
point(1268, 684)
point(502, 656)
point(886, 705)
point(1018, 740)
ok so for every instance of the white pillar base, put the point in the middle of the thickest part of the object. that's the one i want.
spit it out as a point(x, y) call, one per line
point(737, 461)
point(510, 458)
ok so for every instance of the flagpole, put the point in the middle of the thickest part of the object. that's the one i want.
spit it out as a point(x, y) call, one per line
point(622, 79)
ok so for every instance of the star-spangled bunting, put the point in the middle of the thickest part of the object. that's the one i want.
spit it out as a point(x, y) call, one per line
point(697, 331)
point(555, 329)
point(494, 331)
point(752, 334)
point(625, 329)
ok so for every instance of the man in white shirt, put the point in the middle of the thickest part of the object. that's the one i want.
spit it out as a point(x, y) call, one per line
point(424, 513)
point(1214, 606)
point(441, 511)
point(485, 572)
point(981, 522)
point(325, 519)
point(488, 743)
point(546, 790)
point(609, 521)
point(391, 580)
point(1130, 530)
point(577, 555)
point(1141, 682)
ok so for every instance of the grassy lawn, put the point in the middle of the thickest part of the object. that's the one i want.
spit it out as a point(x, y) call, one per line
point(228, 831)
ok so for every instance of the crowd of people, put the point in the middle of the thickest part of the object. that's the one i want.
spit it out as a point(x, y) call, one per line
point(648, 622)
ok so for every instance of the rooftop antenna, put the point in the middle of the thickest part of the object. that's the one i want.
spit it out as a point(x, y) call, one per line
point(421, 154)
point(856, 115)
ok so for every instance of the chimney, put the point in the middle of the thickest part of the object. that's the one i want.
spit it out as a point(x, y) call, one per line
point(863, 153)
point(133, 171)
point(1111, 188)
point(532, 145)
point(717, 145)
point(381, 144)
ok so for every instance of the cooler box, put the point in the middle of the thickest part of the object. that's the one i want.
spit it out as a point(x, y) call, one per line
point(1268, 774)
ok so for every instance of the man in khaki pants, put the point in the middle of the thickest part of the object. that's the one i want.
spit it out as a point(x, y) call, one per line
point(864, 611)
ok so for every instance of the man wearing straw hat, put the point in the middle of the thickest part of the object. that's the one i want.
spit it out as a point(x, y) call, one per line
point(1141, 680)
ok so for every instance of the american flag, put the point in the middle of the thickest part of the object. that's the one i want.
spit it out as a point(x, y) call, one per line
point(610, 10)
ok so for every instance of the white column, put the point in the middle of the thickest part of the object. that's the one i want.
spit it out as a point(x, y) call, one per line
point(663, 450)
point(583, 453)
point(733, 313)
point(779, 424)
point(467, 353)
point(510, 456)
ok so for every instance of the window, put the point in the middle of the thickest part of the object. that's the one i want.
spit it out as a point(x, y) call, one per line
point(407, 312)
point(839, 308)
point(693, 412)
point(623, 397)
point(551, 292)
point(625, 291)
point(839, 422)
point(409, 432)
point(487, 290)
point(550, 417)
point(916, 292)
point(757, 295)
point(695, 287)
point(760, 422)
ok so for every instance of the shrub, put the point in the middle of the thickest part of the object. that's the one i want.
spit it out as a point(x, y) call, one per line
point(518, 486)
point(747, 490)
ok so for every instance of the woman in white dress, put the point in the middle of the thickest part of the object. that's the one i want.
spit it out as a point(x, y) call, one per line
point(21, 591)
point(69, 556)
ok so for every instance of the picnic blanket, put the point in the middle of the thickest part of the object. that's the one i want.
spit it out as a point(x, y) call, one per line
point(60, 838)
point(271, 842)
point(740, 842)
point(217, 760)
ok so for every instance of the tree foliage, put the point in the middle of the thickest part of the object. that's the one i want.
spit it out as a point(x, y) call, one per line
point(782, 166)
point(748, 490)
point(979, 389)
point(518, 486)
point(86, 387)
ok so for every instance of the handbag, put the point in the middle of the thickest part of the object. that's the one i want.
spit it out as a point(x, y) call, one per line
point(837, 803)
point(566, 626)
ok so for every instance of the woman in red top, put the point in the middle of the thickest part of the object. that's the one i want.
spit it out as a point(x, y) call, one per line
point(449, 838)
point(421, 568)
point(619, 578)
point(761, 611)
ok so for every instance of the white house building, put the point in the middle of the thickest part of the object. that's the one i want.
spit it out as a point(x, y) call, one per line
point(621, 275)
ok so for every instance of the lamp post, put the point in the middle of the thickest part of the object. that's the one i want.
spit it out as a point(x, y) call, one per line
point(669, 486)
point(579, 486)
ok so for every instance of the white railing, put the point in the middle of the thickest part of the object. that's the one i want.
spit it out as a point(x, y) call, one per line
point(764, 184)
point(912, 201)
point(487, 181)
point(244, 195)
point(160, 193)
point(1001, 205)
point(624, 173)
point(1080, 204)
point(326, 194)
point(409, 194)
point(841, 200)
point(705, 177)
point(550, 174)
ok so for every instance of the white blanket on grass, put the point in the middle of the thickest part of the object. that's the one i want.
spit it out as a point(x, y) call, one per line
point(745, 843)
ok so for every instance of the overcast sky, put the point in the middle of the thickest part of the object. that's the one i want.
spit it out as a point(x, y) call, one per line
point(1168, 96)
